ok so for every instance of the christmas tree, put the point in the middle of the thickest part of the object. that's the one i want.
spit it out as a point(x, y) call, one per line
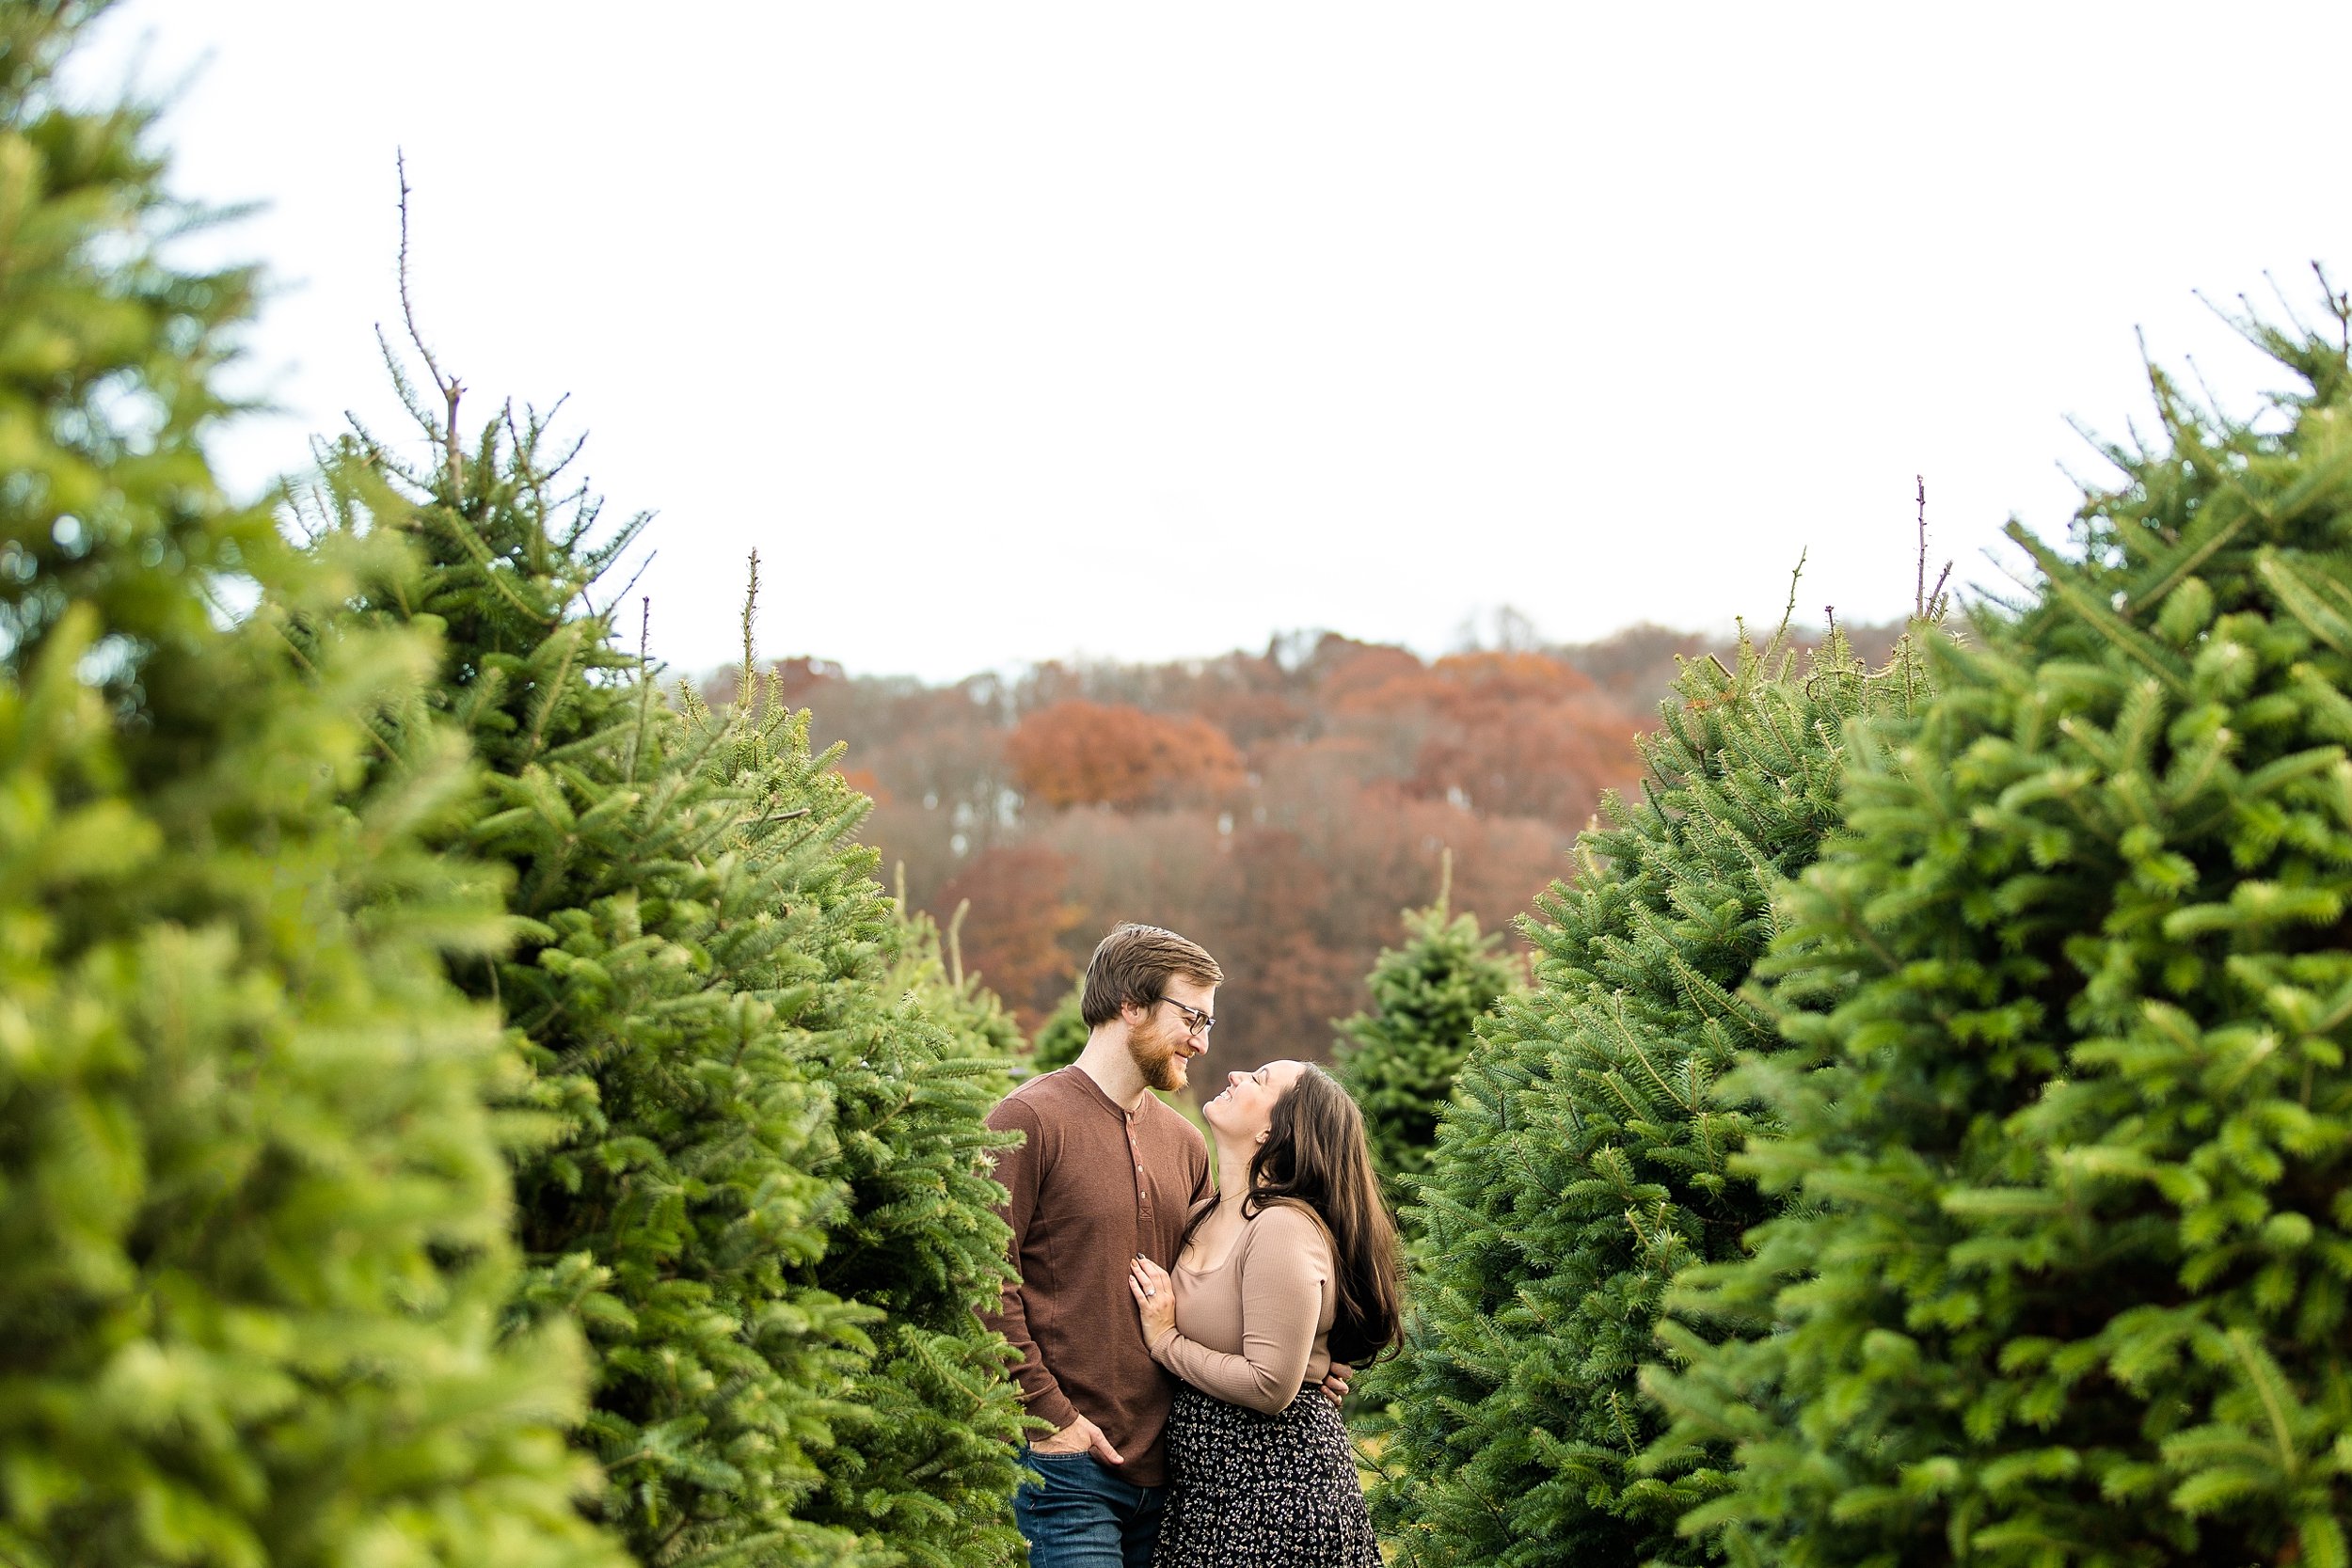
point(761, 1173)
point(1586, 1158)
point(252, 1207)
point(2066, 1283)
point(929, 1462)
point(1398, 1061)
point(670, 1199)
point(1063, 1034)
point(929, 967)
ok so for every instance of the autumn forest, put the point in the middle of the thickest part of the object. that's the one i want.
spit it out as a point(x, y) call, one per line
point(1281, 807)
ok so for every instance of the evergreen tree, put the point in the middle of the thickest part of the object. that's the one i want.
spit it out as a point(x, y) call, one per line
point(759, 1175)
point(929, 1463)
point(1398, 1061)
point(1583, 1160)
point(929, 968)
point(2068, 1282)
point(1064, 1033)
point(253, 1213)
point(672, 1201)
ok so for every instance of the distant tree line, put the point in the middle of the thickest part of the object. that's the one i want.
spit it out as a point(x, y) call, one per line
point(1281, 805)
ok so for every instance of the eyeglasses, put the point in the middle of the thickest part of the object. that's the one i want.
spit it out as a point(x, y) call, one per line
point(1196, 1022)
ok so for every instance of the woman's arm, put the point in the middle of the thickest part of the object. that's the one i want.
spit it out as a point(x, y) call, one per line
point(1283, 1272)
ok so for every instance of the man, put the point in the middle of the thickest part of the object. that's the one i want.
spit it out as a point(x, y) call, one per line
point(1105, 1172)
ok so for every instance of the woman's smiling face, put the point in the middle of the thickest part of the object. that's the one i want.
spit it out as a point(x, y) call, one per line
point(1244, 1109)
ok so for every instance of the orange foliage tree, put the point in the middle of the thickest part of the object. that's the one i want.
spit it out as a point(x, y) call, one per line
point(1085, 754)
point(1509, 734)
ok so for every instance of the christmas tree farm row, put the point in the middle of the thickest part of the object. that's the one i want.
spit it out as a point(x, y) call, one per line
point(461, 1104)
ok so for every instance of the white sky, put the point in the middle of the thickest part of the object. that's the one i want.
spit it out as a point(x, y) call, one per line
point(1007, 331)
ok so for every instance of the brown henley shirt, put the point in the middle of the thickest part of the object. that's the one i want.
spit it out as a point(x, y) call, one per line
point(1091, 1186)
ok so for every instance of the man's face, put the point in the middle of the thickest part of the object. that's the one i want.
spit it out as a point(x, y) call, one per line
point(1165, 1042)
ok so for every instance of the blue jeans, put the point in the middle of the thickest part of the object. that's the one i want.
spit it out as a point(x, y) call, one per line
point(1077, 1514)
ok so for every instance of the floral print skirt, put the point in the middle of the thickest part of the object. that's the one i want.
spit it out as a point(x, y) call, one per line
point(1252, 1491)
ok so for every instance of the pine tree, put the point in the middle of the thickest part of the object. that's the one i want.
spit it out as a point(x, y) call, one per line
point(1398, 1061)
point(761, 1175)
point(929, 1463)
point(672, 1201)
point(1583, 1160)
point(253, 1211)
point(1063, 1034)
point(2068, 1282)
point(929, 968)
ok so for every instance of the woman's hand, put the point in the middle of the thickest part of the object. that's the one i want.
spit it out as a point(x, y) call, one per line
point(1155, 1297)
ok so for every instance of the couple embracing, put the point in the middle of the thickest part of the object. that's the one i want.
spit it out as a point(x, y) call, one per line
point(1189, 1339)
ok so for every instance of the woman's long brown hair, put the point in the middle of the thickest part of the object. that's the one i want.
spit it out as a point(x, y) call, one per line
point(1315, 1154)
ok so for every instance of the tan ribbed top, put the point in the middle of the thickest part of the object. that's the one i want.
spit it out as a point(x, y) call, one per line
point(1256, 1327)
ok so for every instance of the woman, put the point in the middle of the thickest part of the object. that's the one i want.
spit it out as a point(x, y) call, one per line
point(1291, 1265)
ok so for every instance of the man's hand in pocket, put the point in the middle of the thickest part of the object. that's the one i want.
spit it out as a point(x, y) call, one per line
point(1080, 1436)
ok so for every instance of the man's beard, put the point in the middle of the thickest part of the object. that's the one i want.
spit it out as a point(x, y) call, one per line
point(1153, 1050)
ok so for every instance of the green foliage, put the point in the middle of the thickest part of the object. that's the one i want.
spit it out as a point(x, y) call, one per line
point(1063, 1034)
point(929, 967)
point(252, 1209)
point(928, 1464)
point(2067, 1280)
point(1583, 1160)
point(1398, 1061)
point(761, 1176)
point(671, 1201)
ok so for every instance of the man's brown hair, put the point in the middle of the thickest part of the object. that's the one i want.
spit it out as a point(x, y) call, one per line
point(1133, 964)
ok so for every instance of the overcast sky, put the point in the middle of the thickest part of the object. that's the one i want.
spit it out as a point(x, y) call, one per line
point(1010, 331)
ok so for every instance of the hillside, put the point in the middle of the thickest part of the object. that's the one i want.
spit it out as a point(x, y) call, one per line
point(1279, 806)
